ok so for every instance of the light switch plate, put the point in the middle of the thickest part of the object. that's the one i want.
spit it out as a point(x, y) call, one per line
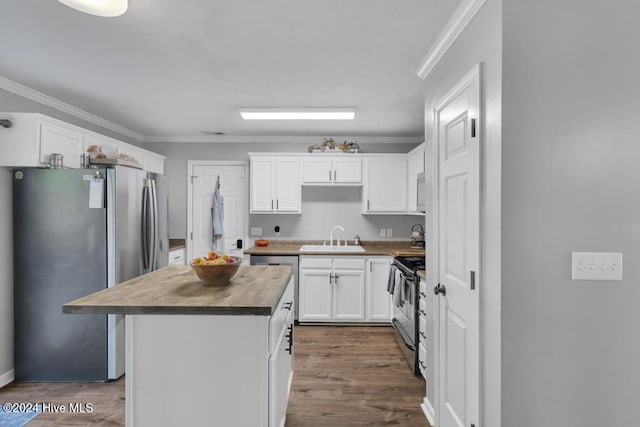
point(256, 231)
point(596, 266)
point(389, 232)
point(383, 232)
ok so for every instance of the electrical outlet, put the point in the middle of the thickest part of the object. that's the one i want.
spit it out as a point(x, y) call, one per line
point(256, 231)
point(596, 266)
point(389, 232)
point(276, 230)
point(383, 232)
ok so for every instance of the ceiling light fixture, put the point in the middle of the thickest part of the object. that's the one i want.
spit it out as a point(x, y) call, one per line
point(106, 8)
point(297, 113)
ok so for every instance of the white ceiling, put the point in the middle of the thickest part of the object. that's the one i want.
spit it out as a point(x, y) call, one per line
point(176, 68)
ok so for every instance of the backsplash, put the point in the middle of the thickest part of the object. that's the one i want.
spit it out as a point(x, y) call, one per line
point(324, 207)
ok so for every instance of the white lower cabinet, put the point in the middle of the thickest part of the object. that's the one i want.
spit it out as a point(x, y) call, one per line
point(177, 256)
point(223, 370)
point(331, 289)
point(344, 289)
point(378, 299)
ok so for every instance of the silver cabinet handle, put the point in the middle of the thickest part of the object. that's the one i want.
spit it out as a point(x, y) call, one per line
point(368, 205)
point(334, 175)
point(423, 365)
point(271, 204)
point(424, 313)
point(423, 335)
point(329, 174)
point(423, 295)
point(277, 204)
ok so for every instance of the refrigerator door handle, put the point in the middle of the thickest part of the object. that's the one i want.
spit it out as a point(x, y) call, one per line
point(154, 226)
point(144, 226)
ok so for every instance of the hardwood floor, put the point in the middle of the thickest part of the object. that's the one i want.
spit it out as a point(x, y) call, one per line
point(352, 376)
point(344, 376)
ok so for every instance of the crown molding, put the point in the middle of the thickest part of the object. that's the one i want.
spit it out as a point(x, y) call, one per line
point(457, 23)
point(34, 95)
point(281, 139)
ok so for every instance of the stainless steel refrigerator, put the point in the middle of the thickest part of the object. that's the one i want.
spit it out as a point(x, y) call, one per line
point(77, 232)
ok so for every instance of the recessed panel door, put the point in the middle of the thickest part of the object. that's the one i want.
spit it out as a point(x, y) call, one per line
point(232, 188)
point(459, 237)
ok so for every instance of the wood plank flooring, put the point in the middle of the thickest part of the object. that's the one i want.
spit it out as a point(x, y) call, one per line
point(344, 376)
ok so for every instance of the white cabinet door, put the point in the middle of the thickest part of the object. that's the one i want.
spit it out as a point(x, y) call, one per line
point(347, 171)
point(280, 371)
point(414, 167)
point(378, 299)
point(177, 256)
point(348, 295)
point(262, 170)
point(287, 184)
point(154, 162)
point(59, 139)
point(315, 295)
point(386, 185)
point(316, 170)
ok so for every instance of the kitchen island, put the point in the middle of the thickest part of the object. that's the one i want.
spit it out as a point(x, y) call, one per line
point(199, 355)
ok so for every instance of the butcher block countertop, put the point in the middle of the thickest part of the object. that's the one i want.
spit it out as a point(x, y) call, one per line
point(292, 247)
point(254, 290)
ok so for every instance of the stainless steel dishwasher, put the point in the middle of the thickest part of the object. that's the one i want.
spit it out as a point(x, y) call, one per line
point(281, 260)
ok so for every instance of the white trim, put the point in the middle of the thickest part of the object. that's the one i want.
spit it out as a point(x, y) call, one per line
point(311, 140)
point(457, 23)
point(7, 378)
point(190, 165)
point(34, 95)
point(428, 411)
point(468, 79)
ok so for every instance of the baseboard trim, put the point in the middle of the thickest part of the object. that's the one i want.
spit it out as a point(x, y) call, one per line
point(7, 378)
point(429, 412)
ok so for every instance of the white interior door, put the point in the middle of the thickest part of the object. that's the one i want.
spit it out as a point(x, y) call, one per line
point(459, 255)
point(233, 189)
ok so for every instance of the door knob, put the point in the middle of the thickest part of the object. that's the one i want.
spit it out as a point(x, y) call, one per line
point(440, 289)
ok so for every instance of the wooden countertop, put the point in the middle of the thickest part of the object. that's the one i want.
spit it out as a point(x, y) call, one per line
point(292, 247)
point(254, 290)
point(176, 244)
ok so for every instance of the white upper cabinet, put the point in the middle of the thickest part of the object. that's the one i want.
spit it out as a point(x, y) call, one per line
point(331, 170)
point(385, 185)
point(275, 185)
point(62, 140)
point(287, 185)
point(416, 163)
point(34, 137)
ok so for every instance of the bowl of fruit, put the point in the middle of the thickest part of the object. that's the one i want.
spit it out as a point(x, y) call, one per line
point(216, 269)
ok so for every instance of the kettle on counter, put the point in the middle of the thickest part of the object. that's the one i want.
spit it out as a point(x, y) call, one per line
point(417, 236)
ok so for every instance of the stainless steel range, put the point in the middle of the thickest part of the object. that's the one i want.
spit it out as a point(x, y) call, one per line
point(404, 286)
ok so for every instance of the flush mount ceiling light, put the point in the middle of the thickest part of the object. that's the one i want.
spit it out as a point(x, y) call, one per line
point(297, 113)
point(106, 8)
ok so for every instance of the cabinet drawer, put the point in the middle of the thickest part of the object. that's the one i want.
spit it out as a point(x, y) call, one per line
point(423, 287)
point(422, 308)
point(422, 359)
point(315, 262)
point(177, 256)
point(279, 316)
point(423, 330)
point(348, 263)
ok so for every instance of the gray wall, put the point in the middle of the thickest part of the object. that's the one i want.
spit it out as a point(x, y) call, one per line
point(570, 349)
point(480, 42)
point(176, 168)
point(10, 102)
point(6, 276)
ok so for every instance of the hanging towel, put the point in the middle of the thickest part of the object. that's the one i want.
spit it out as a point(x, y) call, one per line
point(391, 281)
point(217, 219)
point(398, 291)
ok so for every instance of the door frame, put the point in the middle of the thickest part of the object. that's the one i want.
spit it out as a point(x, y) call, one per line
point(472, 76)
point(245, 214)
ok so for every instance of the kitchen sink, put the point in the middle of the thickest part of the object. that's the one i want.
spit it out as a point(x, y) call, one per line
point(329, 248)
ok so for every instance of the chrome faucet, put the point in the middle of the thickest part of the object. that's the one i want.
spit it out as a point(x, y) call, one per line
point(336, 227)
